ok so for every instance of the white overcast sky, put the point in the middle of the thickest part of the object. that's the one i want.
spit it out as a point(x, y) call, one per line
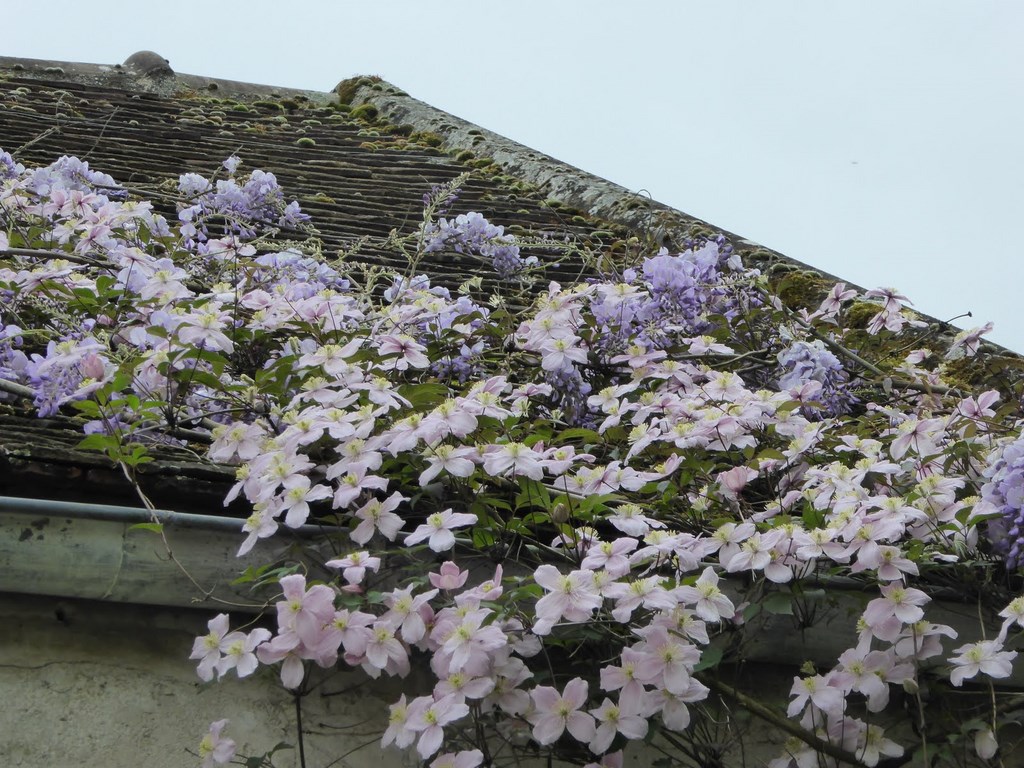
point(879, 140)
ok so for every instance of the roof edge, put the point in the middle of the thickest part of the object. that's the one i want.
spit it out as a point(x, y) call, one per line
point(141, 72)
point(147, 72)
point(594, 195)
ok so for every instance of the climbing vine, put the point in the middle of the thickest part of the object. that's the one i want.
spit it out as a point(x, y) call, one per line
point(571, 502)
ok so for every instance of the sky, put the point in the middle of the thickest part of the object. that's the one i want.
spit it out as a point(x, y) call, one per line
point(881, 141)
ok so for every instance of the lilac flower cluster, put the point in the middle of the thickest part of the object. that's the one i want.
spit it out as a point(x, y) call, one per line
point(12, 360)
point(804, 362)
point(59, 376)
point(441, 197)
point(673, 296)
point(70, 174)
point(238, 208)
point(9, 169)
point(1005, 492)
point(437, 316)
point(303, 274)
point(471, 233)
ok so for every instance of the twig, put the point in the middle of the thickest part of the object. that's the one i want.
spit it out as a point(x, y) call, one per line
point(298, 727)
point(38, 253)
point(783, 724)
point(936, 389)
point(14, 388)
point(37, 139)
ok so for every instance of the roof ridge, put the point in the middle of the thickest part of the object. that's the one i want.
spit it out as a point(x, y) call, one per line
point(592, 194)
point(143, 72)
point(148, 72)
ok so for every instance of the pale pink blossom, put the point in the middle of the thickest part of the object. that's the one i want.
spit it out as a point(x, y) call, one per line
point(304, 612)
point(398, 731)
point(207, 648)
point(985, 656)
point(404, 612)
point(517, 458)
point(570, 596)
point(355, 565)
point(239, 652)
point(708, 601)
point(449, 458)
point(466, 759)
point(903, 603)
point(985, 744)
point(449, 577)
point(611, 556)
point(625, 718)
point(668, 660)
point(216, 749)
point(437, 530)
point(428, 718)
point(816, 690)
point(554, 713)
point(376, 515)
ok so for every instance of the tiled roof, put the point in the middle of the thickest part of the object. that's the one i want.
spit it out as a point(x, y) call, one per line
point(358, 159)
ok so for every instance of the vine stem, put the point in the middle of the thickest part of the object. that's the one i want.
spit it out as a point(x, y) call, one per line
point(39, 253)
point(838, 348)
point(298, 726)
point(784, 724)
point(12, 387)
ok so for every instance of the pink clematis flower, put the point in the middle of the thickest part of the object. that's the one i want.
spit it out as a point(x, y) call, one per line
point(355, 565)
point(471, 758)
point(986, 656)
point(571, 596)
point(903, 603)
point(450, 576)
point(207, 647)
point(377, 515)
point(304, 612)
point(428, 717)
point(625, 718)
point(709, 602)
point(817, 691)
point(215, 749)
point(554, 713)
point(437, 530)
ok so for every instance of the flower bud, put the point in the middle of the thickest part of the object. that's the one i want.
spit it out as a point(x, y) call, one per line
point(560, 513)
point(985, 743)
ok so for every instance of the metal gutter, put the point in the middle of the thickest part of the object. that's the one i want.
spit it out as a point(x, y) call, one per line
point(95, 551)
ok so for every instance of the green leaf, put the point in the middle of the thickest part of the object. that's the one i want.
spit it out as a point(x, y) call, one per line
point(252, 573)
point(709, 658)
point(579, 434)
point(424, 396)
point(779, 603)
point(154, 527)
point(98, 442)
point(532, 494)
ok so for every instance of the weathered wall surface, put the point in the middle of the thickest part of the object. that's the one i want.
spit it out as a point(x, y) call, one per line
point(89, 684)
point(98, 685)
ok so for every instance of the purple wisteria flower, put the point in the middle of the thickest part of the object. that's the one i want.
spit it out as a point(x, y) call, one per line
point(473, 234)
point(1005, 492)
point(9, 169)
point(809, 361)
point(234, 207)
point(12, 360)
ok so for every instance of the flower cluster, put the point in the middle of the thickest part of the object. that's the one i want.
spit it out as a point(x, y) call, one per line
point(612, 451)
point(805, 363)
point(472, 234)
point(234, 207)
point(1004, 491)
